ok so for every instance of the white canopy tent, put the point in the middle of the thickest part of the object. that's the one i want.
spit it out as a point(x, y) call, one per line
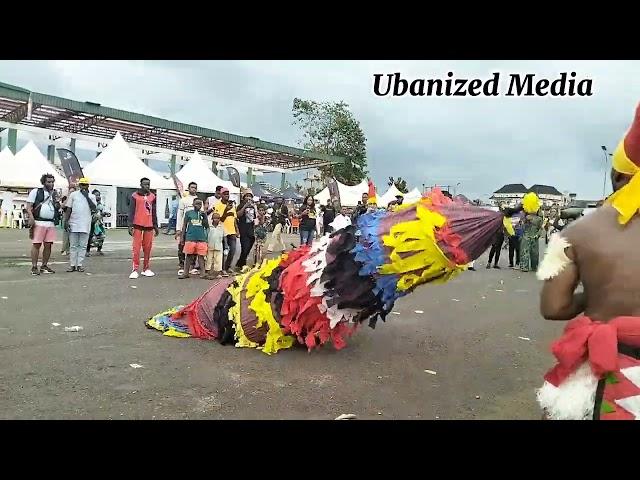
point(7, 197)
point(26, 167)
point(6, 163)
point(413, 196)
point(349, 195)
point(118, 166)
point(116, 171)
point(6, 154)
point(196, 170)
point(389, 196)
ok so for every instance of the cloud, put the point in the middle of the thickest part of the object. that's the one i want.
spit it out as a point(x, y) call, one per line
point(481, 143)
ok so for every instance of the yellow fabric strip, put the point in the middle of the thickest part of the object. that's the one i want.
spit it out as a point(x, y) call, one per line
point(256, 288)
point(626, 200)
point(621, 163)
point(154, 324)
point(418, 237)
point(508, 226)
point(172, 332)
point(234, 312)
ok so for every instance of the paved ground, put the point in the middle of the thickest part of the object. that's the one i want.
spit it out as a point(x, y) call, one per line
point(468, 334)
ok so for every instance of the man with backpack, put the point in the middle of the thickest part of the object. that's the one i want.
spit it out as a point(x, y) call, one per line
point(43, 216)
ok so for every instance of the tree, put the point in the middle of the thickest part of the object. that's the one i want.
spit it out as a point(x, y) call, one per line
point(331, 128)
point(399, 183)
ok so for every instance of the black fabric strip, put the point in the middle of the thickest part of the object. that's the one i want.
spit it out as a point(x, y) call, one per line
point(221, 318)
point(623, 349)
point(629, 351)
point(599, 395)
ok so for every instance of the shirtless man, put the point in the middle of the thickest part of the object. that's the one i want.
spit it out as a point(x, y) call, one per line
point(598, 371)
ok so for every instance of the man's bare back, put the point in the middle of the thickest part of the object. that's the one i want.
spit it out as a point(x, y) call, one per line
point(598, 355)
point(607, 258)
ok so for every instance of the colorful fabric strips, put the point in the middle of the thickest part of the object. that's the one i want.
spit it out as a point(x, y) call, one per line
point(321, 293)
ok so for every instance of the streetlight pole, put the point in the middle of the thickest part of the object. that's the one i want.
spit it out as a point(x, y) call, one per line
point(455, 189)
point(606, 165)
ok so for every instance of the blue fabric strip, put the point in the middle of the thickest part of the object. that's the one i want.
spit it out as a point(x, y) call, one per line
point(370, 252)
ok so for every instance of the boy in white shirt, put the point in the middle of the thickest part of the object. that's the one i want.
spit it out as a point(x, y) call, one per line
point(215, 249)
point(185, 205)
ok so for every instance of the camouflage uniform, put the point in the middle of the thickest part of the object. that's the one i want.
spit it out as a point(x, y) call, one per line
point(529, 246)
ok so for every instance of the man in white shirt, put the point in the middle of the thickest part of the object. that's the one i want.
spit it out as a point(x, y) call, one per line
point(42, 208)
point(185, 205)
point(341, 221)
point(211, 202)
point(80, 208)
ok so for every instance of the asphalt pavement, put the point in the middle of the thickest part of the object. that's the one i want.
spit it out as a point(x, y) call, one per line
point(475, 348)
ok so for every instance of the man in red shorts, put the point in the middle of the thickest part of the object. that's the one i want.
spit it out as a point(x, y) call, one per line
point(43, 214)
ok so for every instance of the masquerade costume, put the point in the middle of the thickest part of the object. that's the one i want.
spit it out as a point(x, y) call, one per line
point(324, 291)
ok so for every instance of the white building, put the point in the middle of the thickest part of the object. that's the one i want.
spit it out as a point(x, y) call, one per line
point(548, 195)
point(512, 194)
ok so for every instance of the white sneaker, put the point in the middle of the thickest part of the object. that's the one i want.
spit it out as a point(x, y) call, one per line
point(134, 275)
point(180, 272)
point(194, 271)
point(148, 273)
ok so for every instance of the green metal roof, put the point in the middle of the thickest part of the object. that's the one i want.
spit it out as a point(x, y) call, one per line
point(71, 116)
point(13, 87)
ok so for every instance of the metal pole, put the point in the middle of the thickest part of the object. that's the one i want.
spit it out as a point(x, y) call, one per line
point(606, 165)
point(12, 140)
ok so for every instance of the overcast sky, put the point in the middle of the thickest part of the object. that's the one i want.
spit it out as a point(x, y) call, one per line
point(481, 143)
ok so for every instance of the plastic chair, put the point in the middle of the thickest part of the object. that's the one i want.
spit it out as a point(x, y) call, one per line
point(18, 221)
point(6, 218)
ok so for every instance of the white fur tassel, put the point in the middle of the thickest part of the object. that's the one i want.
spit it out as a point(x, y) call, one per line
point(574, 399)
point(555, 260)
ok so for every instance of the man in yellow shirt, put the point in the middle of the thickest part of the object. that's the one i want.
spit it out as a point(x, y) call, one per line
point(228, 219)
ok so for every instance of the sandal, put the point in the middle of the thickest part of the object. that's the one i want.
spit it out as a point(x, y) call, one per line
point(80, 269)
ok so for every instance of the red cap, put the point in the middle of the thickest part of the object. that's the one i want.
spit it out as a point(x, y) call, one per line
point(632, 139)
